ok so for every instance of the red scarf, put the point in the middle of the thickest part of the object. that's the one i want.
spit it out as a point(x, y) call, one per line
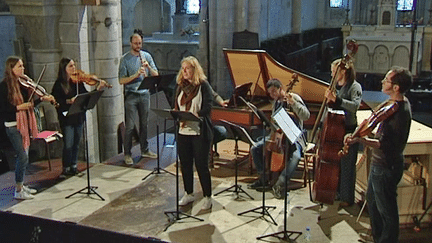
point(26, 123)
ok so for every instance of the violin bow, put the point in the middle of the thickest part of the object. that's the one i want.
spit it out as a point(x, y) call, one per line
point(38, 80)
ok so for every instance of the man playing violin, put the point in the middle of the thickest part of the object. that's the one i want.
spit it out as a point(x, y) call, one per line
point(293, 103)
point(134, 66)
point(17, 115)
point(387, 157)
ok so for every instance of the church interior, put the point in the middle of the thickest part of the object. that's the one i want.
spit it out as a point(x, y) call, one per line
point(241, 45)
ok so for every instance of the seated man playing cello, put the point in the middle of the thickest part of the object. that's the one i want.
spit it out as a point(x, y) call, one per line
point(293, 103)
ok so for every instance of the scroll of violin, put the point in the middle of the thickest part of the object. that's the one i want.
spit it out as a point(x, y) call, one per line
point(81, 77)
point(36, 89)
point(365, 128)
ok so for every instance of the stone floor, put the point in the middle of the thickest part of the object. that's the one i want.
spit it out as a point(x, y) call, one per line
point(135, 206)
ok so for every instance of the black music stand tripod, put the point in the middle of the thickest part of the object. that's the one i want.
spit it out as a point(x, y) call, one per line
point(83, 103)
point(177, 116)
point(290, 135)
point(263, 209)
point(239, 134)
point(153, 83)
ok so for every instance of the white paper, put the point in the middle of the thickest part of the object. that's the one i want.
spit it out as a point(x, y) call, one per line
point(287, 125)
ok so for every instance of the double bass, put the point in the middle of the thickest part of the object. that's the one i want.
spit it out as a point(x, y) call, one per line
point(329, 142)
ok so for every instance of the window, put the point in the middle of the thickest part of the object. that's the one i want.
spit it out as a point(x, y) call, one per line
point(193, 7)
point(336, 3)
point(405, 5)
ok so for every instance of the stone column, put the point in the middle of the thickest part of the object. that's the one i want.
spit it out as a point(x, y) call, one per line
point(221, 31)
point(427, 49)
point(242, 15)
point(297, 17)
point(36, 22)
point(105, 53)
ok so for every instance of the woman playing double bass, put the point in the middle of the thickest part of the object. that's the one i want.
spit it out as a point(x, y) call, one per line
point(17, 115)
point(347, 97)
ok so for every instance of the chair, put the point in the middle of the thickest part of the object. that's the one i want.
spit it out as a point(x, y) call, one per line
point(307, 163)
point(49, 127)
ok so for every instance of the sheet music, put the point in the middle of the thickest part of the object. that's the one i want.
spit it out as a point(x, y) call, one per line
point(287, 125)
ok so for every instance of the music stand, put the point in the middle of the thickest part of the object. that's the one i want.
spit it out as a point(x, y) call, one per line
point(83, 103)
point(153, 83)
point(239, 91)
point(177, 116)
point(239, 133)
point(266, 123)
point(292, 132)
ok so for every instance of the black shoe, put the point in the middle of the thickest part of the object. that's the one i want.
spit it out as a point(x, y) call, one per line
point(73, 171)
point(256, 185)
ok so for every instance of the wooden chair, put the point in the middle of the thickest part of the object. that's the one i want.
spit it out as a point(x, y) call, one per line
point(49, 127)
point(307, 164)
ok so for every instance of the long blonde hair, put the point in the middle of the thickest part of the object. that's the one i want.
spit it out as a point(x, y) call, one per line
point(198, 75)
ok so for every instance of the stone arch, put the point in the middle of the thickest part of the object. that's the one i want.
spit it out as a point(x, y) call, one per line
point(381, 59)
point(401, 56)
point(362, 61)
point(386, 17)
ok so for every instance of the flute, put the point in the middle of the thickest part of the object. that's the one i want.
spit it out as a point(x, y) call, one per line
point(143, 64)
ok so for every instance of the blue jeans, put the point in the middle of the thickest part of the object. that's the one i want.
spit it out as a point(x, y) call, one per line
point(347, 178)
point(257, 155)
point(22, 154)
point(136, 106)
point(293, 160)
point(382, 202)
point(219, 134)
point(71, 139)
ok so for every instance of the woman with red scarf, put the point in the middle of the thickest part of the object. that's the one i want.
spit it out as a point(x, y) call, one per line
point(18, 117)
point(194, 94)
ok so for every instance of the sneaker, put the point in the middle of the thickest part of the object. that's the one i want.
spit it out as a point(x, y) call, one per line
point(149, 154)
point(186, 199)
point(29, 190)
point(278, 192)
point(22, 195)
point(366, 238)
point(128, 160)
point(207, 203)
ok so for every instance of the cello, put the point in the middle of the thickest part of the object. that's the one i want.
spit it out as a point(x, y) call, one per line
point(274, 146)
point(331, 139)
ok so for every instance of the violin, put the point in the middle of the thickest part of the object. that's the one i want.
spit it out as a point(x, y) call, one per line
point(80, 76)
point(36, 89)
point(384, 111)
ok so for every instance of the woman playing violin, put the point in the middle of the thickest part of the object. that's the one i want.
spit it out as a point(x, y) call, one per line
point(387, 158)
point(18, 117)
point(347, 97)
point(65, 90)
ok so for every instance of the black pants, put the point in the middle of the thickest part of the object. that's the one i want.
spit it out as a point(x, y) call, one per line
point(194, 149)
